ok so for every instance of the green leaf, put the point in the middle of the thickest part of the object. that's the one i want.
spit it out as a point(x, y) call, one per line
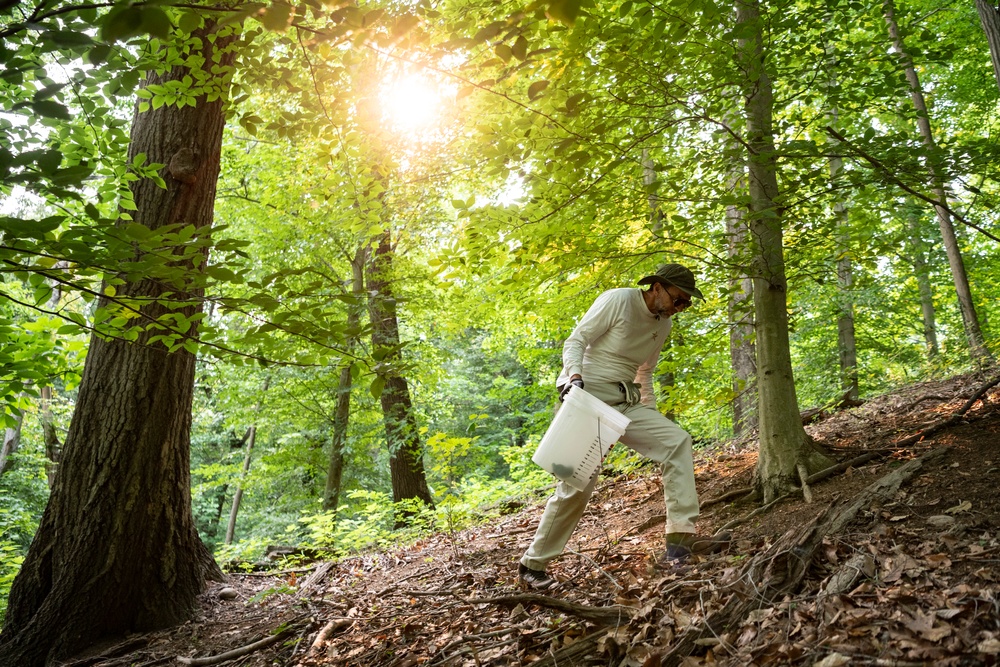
point(520, 48)
point(378, 384)
point(535, 89)
point(156, 22)
point(277, 17)
point(504, 52)
point(50, 109)
point(189, 22)
point(564, 11)
point(121, 23)
point(68, 38)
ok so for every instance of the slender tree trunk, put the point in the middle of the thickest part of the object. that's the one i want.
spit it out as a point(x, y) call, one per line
point(918, 257)
point(117, 549)
point(406, 462)
point(666, 380)
point(11, 441)
point(234, 508)
point(977, 347)
point(53, 448)
point(742, 349)
point(342, 412)
point(251, 440)
point(783, 441)
point(989, 16)
point(846, 341)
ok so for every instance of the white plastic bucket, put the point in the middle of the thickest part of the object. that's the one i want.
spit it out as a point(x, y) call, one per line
point(579, 437)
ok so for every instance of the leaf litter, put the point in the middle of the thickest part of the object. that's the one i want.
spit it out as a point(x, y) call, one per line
point(911, 579)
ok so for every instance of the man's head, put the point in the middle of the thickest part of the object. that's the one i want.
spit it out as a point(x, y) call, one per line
point(671, 289)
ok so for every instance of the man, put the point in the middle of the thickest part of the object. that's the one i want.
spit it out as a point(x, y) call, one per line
point(612, 353)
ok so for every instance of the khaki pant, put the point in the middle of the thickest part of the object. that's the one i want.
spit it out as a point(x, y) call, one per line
point(650, 434)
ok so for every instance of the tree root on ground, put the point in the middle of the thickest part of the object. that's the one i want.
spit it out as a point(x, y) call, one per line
point(779, 571)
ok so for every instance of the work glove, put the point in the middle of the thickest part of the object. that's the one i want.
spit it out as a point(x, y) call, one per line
point(563, 390)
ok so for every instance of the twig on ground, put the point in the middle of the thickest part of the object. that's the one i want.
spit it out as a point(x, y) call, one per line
point(598, 567)
point(729, 495)
point(611, 615)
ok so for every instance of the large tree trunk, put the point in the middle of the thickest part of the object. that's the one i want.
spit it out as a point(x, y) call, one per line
point(406, 463)
point(742, 349)
point(977, 347)
point(918, 258)
point(342, 411)
point(117, 550)
point(990, 18)
point(783, 441)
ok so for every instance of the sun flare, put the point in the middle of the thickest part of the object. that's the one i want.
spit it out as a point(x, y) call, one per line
point(413, 104)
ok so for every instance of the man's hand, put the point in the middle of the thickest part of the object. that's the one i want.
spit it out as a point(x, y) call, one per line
point(576, 381)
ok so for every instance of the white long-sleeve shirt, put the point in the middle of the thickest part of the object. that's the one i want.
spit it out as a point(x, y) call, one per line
point(618, 340)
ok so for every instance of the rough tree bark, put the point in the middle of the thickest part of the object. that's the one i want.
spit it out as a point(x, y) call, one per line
point(977, 346)
point(784, 443)
point(406, 463)
point(342, 411)
point(117, 550)
point(989, 16)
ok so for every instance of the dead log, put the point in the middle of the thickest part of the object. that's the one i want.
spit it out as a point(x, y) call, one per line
point(779, 570)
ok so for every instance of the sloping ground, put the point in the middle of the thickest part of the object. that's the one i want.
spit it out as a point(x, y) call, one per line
point(894, 562)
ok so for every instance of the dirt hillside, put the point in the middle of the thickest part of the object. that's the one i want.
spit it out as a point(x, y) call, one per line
point(894, 562)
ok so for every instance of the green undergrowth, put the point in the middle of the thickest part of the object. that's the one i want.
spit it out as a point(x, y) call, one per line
point(369, 526)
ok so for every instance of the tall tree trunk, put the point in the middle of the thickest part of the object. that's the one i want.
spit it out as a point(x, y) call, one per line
point(342, 411)
point(11, 441)
point(784, 444)
point(977, 347)
point(234, 508)
point(251, 439)
point(53, 448)
point(846, 341)
point(742, 349)
point(989, 16)
point(918, 258)
point(406, 463)
point(666, 380)
point(117, 550)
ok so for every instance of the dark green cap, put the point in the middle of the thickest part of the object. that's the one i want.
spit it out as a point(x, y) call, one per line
point(676, 275)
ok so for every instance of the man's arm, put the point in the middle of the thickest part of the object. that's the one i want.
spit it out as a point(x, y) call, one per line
point(594, 324)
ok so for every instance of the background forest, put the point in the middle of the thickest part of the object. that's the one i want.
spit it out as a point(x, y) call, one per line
point(359, 233)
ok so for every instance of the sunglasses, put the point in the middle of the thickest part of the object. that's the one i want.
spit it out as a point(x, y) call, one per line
point(682, 302)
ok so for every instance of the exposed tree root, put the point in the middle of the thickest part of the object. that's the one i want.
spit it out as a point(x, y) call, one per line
point(288, 632)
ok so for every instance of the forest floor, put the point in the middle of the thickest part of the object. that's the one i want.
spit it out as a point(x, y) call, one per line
point(909, 577)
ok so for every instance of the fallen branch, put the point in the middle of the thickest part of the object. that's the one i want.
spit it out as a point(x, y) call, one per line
point(954, 418)
point(613, 615)
point(238, 652)
point(323, 636)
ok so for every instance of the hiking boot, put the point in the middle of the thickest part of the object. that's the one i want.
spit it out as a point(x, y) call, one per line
point(535, 579)
point(675, 556)
point(699, 544)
